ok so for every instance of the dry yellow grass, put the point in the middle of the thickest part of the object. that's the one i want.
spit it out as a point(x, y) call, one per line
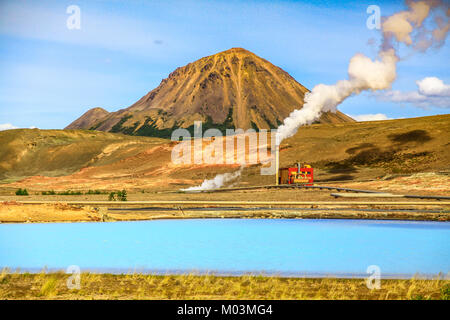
point(191, 286)
point(16, 212)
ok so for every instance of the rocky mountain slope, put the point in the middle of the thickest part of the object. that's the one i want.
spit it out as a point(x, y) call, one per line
point(231, 89)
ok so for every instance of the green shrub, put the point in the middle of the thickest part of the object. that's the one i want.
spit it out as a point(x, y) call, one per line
point(118, 196)
point(71, 193)
point(21, 192)
point(48, 193)
point(122, 195)
point(95, 192)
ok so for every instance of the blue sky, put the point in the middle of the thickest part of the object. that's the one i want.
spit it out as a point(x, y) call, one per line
point(50, 75)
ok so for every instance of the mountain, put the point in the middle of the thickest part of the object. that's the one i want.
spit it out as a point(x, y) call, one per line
point(88, 119)
point(231, 89)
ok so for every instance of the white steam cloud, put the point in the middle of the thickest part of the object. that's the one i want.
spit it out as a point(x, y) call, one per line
point(408, 27)
point(379, 74)
point(216, 182)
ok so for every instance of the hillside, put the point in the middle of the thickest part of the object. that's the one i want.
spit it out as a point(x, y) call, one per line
point(231, 89)
point(50, 153)
point(80, 159)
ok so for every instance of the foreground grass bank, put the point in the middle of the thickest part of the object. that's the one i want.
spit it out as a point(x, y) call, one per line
point(142, 286)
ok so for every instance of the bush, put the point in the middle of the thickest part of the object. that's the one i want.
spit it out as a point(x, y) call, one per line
point(95, 192)
point(48, 193)
point(122, 195)
point(64, 193)
point(118, 196)
point(21, 192)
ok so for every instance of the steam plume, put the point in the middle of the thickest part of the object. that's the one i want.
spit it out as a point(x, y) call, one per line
point(365, 74)
point(216, 182)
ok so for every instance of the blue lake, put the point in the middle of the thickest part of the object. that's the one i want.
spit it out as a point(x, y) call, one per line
point(230, 246)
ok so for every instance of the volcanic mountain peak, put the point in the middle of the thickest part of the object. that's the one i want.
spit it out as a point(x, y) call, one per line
point(231, 89)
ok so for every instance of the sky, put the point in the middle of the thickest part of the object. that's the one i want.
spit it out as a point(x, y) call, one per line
point(51, 74)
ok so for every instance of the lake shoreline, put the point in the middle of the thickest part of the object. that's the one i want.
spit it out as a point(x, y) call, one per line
point(247, 215)
point(62, 213)
point(226, 274)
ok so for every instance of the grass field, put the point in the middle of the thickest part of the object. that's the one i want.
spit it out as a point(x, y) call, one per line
point(149, 286)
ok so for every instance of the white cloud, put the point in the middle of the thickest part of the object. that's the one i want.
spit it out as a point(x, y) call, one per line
point(432, 86)
point(431, 92)
point(7, 126)
point(371, 117)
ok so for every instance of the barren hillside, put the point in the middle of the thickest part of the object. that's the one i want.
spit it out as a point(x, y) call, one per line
point(80, 159)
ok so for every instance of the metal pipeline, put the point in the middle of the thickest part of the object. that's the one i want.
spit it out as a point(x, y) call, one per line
point(277, 163)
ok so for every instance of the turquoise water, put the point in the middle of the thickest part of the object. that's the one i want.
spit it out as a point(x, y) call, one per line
point(281, 246)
